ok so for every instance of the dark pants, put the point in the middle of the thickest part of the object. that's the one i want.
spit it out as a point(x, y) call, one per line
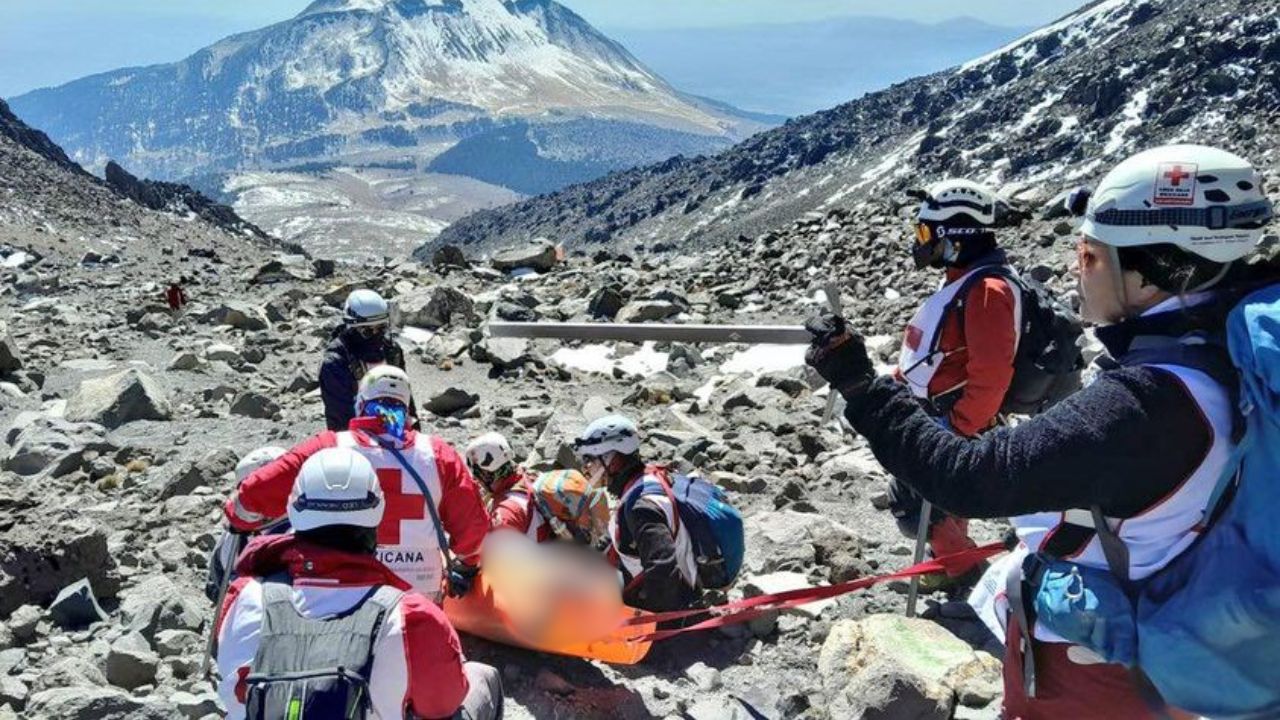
point(947, 534)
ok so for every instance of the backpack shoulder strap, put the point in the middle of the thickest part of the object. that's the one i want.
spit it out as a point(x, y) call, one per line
point(976, 276)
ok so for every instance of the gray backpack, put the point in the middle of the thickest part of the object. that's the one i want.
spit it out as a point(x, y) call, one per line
point(314, 668)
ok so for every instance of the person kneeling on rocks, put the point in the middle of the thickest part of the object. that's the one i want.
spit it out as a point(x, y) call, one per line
point(315, 627)
point(651, 546)
point(433, 505)
point(558, 504)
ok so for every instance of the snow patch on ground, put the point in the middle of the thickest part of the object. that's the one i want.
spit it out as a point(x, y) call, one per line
point(1131, 119)
point(599, 358)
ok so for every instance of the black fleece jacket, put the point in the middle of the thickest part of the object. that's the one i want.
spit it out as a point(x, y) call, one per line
point(1123, 443)
point(645, 534)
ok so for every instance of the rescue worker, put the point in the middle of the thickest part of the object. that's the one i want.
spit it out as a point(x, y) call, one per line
point(510, 487)
point(1145, 443)
point(362, 342)
point(223, 557)
point(318, 603)
point(957, 354)
point(650, 546)
point(409, 464)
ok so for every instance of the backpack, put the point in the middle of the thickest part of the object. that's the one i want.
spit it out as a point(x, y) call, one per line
point(314, 668)
point(1205, 630)
point(1049, 361)
point(714, 527)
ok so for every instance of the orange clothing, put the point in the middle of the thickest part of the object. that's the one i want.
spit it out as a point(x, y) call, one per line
point(979, 353)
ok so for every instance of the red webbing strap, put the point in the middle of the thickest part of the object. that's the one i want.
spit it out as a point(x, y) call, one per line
point(751, 608)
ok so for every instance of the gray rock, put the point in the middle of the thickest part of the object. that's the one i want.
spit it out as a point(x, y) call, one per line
point(70, 672)
point(606, 302)
point(450, 401)
point(501, 352)
point(157, 604)
point(131, 663)
point(10, 359)
point(446, 305)
point(202, 473)
point(531, 417)
point(242, 316)
point(222, 352)
point(173, 643)
point(118, 399)
point(76, 606)
point(184, 361)
point(36, 564)
point(53, 447)
point(254, 405)
point(195, 707)
point(540, 255)
point(449, 256)
point(648, 311)
point(93, 703)
point(303, 381)
point(13, 692)
point(23, 622)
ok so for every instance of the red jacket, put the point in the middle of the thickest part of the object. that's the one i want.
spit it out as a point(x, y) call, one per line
point(511, 506)
point(987, 345)
point(418, 661)
point(263, 495)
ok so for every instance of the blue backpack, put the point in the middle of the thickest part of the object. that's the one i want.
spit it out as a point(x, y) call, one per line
point(714, 526)
point(1205, 630)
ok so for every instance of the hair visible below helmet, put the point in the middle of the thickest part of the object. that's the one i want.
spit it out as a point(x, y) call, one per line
point(336, 486)
point(256, 459)
point(612, 433)
point(1199, 199)
point(954, 224)
point(386, 382)
point(364, 308)
point(490, 457)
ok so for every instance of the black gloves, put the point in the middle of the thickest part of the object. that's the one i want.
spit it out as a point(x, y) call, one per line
point(461, 578)
point(839, 355)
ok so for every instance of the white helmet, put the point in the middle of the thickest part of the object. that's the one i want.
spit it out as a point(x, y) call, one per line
point(364, 308)
point(336, 486)
point(611, 433)
point(950, 198)
point(259, 458)
point(1204, 200)
point(488, 454)
point(383, 381)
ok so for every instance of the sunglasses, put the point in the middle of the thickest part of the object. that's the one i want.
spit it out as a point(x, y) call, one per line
point(371, 331)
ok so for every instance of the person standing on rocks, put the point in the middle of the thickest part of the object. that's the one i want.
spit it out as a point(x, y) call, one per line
point(316, 627)
point(430, 494)
point(957, 354)
point(175, 296)
point(1141, 449)
point(362, 342)
point(561, 503)
point(652, 547)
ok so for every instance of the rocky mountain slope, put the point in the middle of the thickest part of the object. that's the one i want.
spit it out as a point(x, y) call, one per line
point(1051, 110)
point(483, 89)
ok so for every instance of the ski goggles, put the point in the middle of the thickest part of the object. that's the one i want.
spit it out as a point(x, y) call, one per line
point(393, 414)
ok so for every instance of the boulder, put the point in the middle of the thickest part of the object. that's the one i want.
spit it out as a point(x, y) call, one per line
point(13, 692)
point(23, 623)
point(118, 399)
point(303, 381)
point(195, 707)
point(888, 666)
point(540, 255)
point(93, 703)
point(221, 352)
point(53, 447)
point(204, 472)
point(452, 400)
point(648, 311)
point(70, 672)
point(35, 564)
point(174, 643)
point(131, 663)
point(10, 359)
point(501, 352)
point(605, 303)
point(254, 405)
point(778, 582)
point(157, 604)
point(790, 540)
point(239, 315)
point(76, 607)
point(444, 306)
point(449, 256)
point(185, 360)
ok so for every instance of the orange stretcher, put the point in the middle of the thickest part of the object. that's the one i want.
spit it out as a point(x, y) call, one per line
point(483, 613)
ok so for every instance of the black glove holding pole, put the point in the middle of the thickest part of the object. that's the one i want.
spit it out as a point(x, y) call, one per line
point(839, 355)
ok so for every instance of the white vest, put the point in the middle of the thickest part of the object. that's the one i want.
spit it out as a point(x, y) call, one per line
point(407, 539)
point(1154, 538)
point(917, 361)
point(684, 547)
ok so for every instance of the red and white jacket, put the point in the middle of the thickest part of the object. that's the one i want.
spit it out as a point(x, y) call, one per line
point(511, 506)
point(407, 539)
point(418, 661)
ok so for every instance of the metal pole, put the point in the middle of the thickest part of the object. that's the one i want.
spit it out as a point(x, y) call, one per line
point(832, 291)
point(922, 541)
point(658, 332)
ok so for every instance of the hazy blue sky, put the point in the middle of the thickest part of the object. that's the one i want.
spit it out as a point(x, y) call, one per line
point(47, 42)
